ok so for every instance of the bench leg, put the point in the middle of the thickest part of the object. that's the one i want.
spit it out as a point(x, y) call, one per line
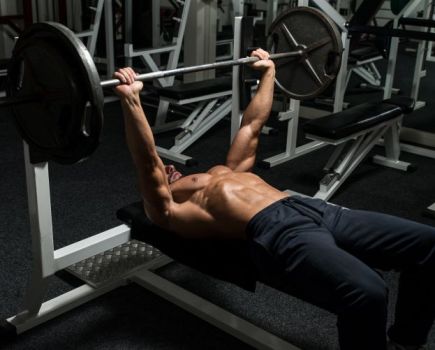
point(392, 150)
point(292, 151)
point(347, 163)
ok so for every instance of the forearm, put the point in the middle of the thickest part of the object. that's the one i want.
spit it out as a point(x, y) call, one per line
point(151, 173)
point(258, 110)
point(140, 139)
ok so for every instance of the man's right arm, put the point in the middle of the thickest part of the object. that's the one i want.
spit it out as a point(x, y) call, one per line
point(242, 153)
point(153, 182)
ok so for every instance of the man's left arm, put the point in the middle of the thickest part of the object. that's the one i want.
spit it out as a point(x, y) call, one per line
point(242, 154)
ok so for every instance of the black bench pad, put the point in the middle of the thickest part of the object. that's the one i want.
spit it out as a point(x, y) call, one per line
point(224, 259)
point(363, 53)
point(359, 118)
point(406, 103)
point(195, 89)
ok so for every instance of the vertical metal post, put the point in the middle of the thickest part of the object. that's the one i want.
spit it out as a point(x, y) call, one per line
point(5, 9)
point(236, 113)
point(110, 51)
point(35, 11)
point(56, 14)
point(392, 142)
point(419, 62)
point(392, 60)
point(70, 14)
point(50, 10)
point(272, 9)
point(292, 126)
point(174, 56)
point(95, 27)
point(128, 28)
point(41, 229)
point(156, 25)
point(238, 8)
point(201, 46)
point(340, 83)
point(77, 15)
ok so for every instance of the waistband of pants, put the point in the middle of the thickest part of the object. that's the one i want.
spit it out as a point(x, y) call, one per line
point(313, 208)
point(266, 212)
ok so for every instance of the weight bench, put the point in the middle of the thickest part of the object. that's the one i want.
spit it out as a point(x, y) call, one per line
point(204, 255)
point(213, 102)
point(362, 62)
point(355, 132)
point(225, 259)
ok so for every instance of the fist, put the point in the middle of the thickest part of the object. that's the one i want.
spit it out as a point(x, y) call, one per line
point(129, 86)
point(264, 63)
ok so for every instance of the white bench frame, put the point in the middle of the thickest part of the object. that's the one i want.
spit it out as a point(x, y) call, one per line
point(352, 149)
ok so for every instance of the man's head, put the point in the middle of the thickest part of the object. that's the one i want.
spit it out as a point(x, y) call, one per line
point(172, 174)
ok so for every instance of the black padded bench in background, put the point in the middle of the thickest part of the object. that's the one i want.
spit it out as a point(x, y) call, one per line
point(186, 91)
point(357, 119)
point(355, 131)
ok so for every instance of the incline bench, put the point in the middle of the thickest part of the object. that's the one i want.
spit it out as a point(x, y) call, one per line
point(356, 131)
point(213, 99)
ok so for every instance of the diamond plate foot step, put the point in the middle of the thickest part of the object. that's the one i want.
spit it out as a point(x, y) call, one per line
point(114, 263)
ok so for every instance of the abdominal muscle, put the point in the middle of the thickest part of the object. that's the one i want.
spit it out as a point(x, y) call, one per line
point(227, 201)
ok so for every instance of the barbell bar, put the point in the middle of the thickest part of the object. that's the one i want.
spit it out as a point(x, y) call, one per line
point(57, 95)
point(202, 67)
point(9, 101)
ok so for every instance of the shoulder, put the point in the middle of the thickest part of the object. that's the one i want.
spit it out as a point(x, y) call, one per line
point(219, 170)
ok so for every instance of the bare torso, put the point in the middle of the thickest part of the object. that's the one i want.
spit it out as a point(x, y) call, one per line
point(220, 203)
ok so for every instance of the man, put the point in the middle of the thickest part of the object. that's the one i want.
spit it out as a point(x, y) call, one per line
point(316, 251)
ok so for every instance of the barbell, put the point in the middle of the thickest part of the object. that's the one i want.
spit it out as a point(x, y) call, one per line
point(57, 97)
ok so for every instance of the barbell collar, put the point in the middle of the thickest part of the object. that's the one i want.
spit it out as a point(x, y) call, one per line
point(202, 67)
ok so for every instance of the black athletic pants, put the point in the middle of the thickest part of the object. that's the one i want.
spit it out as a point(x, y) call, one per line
point(326, 255)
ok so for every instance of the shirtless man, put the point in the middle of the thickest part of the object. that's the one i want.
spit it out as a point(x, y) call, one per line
point(321, 253)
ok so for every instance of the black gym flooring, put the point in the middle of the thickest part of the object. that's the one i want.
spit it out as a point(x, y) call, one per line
point(86, 196)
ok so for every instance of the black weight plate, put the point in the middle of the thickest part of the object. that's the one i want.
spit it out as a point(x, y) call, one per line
point(64, 123)
point(310, 74)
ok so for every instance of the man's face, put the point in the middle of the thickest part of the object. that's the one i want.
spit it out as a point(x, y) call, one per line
point(172, 174)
